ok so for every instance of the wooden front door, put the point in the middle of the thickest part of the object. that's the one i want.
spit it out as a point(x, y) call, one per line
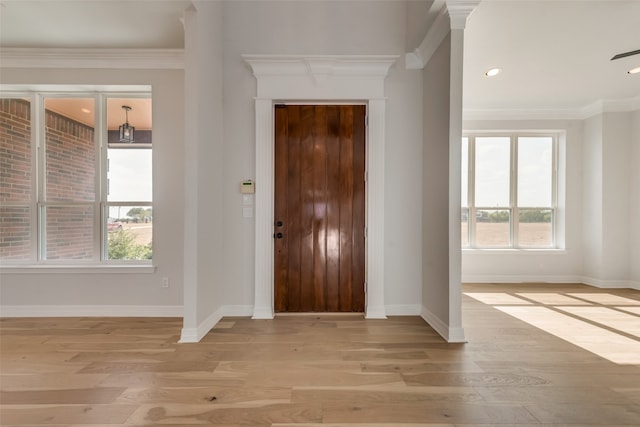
point(319, 208)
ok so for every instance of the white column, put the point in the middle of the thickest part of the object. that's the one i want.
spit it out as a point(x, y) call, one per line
point(375, 209)
point(190, 275)
point(456, 333)
point(263, 304)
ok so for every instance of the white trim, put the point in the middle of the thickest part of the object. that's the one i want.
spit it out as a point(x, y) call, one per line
point(578, 113)
point(194, 335)
point(533, 278)
point(78, 269)
point(287, 78)
point(91, 311)
point(403, 309)
point(451, 14)
point(451, 335)
point(237, 310)
point(513, 251)
point(610, 284)
point(92, 58)
point(417, 59)
point(520, 278)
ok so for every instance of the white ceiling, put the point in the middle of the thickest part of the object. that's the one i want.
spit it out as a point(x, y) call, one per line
point(555, 54)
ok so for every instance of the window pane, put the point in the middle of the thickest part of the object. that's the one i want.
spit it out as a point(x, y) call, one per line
point(70, 232)
point(464, 230)
point(465, 172)
point(15, 150)
point(535, 227)
point(492, 228)
point(492, 171)
point(70, 150)
point(129, 175)
point(130, 231)
point(535, 171)
point(15, 232)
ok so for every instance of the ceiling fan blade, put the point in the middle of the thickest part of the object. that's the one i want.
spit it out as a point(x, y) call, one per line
point(625, 54)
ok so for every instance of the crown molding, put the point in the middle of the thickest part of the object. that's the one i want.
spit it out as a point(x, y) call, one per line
point(459, 11)
point(92, 58)
point(417, 59)
point(350, 76)
point(580, 113)
point(451, 15)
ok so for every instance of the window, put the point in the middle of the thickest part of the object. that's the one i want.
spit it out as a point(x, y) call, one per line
point(508, 191)
point(70, 190)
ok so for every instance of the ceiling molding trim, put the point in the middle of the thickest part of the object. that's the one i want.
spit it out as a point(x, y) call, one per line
point(452, 15)
point(581, 113)
point(349, 76)
point(459, 11)
point(417, 59)
point(92, 58)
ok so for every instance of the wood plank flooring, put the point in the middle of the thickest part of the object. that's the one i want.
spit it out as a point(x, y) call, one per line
point(329, 370)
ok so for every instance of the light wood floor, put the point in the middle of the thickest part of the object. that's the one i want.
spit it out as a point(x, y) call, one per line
point(327, 370)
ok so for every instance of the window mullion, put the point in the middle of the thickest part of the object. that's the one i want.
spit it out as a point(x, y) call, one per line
point(39, 130)
point(471, 194)
point(100, 129)
point(513, 202)
point(554, 190)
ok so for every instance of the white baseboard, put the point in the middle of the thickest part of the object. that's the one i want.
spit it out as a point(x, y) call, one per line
point(403, 309)
point(91, 311)
point(515, 278)
point(238, 310)
point(193, 335)
point(598, 283)
point(451, 335)
point(610, 284)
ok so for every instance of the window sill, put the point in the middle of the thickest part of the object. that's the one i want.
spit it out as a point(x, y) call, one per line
point(508, 251)
point(79, 269)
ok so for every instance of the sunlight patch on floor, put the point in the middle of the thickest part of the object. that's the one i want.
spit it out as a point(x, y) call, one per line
point(634, 310)
point(497, 298)
point(605, 316)
point(552, 298)
point(606, 299)
point(604, 343)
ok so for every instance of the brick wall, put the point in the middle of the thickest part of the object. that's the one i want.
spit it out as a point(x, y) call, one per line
point(70, 176)
point(15, 178)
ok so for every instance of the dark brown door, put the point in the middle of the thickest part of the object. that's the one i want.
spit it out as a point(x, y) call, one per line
point(319, 208)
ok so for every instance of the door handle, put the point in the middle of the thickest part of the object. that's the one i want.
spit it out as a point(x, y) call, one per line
point(279, 223)
point(278, 235)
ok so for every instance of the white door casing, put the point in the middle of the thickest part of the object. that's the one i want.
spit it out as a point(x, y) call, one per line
point(320, 79)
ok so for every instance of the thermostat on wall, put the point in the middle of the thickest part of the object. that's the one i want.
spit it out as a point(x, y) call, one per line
point(247, 187)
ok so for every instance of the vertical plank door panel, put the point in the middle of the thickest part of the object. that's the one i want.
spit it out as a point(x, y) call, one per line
point(320, 198)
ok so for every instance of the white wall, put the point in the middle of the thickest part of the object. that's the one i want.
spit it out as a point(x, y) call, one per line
point(67, 292)
point(592, 196)
point(435, 195)
point(634, 201)
point(323, 28)
point(616, 167)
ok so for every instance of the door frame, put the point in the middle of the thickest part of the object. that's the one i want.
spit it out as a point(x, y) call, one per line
point(320, 80)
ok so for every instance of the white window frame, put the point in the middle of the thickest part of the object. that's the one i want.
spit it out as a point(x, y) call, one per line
point(100, 204)
point(513, 207)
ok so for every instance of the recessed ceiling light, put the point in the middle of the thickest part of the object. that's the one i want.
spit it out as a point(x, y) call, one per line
point(493, 72)
point(634, 70)
point(85, 110)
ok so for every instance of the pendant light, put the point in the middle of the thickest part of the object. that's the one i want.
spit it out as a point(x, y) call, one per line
point(126, 130)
